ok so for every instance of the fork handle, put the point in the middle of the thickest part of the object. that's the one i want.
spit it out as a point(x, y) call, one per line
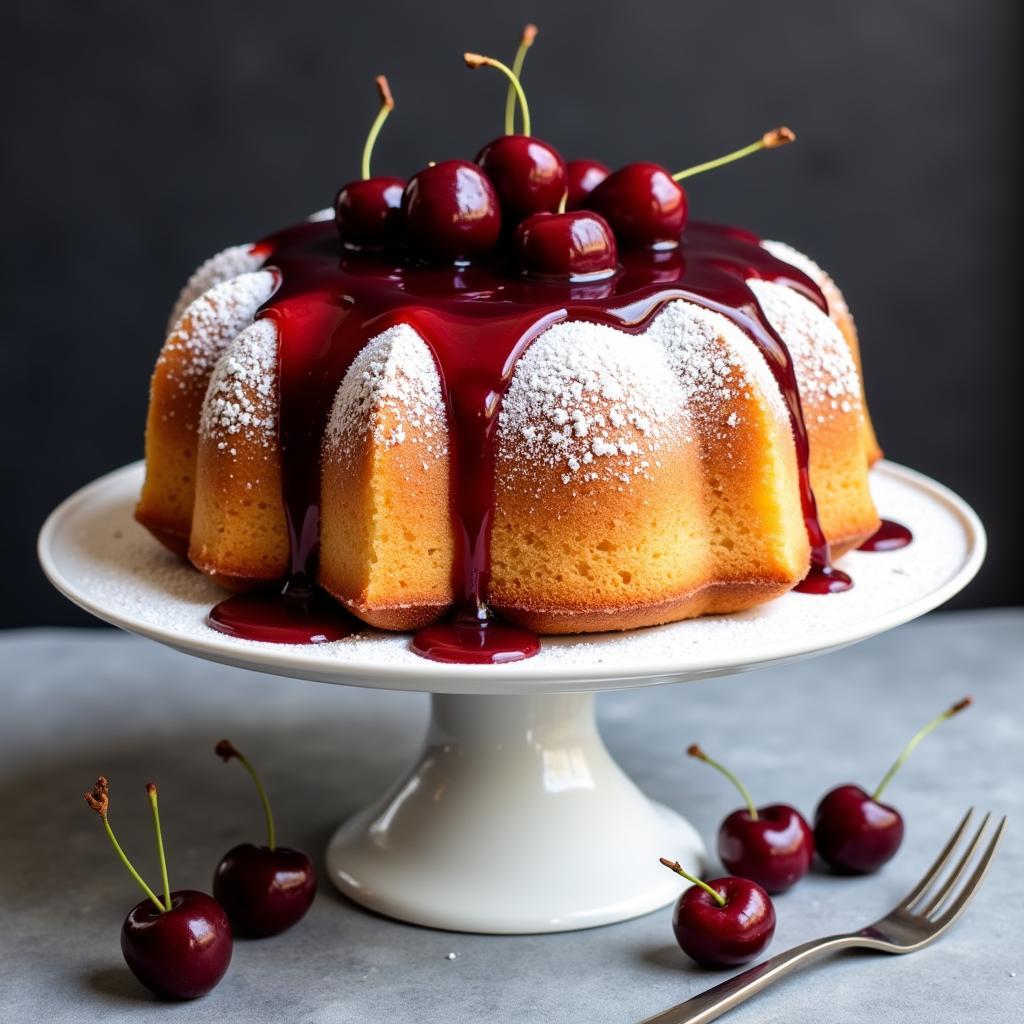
point(715, 1001)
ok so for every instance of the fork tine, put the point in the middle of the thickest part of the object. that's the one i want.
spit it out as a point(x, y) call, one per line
point(940, 862)
point(958, 872)
point(972, 885)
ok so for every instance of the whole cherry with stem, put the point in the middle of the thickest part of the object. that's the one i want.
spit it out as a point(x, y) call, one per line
point(771, 845)
point(180, 946)
point(528, 174)
point(854, 831)
point(264, 889)
point(724, 922)
point(368, 212)
point(646, 205)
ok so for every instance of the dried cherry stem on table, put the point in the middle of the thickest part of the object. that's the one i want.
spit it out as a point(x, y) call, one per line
point(959, 706)
point(98, 798)
point(226, 750)
point(695, 751)
point(152, 794)
point(674, 865)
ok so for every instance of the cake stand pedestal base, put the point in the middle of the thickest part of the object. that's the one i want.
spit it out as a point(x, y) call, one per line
point(515, 819)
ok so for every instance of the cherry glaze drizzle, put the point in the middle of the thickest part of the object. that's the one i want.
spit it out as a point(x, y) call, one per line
point(890, 536)
point(477, 321)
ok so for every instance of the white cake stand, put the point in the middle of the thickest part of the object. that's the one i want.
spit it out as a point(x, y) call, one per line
point(514, 817)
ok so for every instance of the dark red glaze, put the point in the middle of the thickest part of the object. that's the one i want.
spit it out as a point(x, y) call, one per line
point(368, 213)
point(581, 178)
point(294, 615)
point(468, 640)
point(451, 212)
point(855, 834)
point(264, 891)
point(527, 174)
point(889, 536)
point(643, 204)
point(577, 246)
point(775, 849)
point(477, 321)
point(181, 953)
point(824, 579)
point(724, 936)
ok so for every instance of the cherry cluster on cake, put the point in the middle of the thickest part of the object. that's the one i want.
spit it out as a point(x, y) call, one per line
point(730, 920)
point(179, 944)
point(520, 200)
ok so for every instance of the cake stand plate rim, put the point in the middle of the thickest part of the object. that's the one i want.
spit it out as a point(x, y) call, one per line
point(581, 664)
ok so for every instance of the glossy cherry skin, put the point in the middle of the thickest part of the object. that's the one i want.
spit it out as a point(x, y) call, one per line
point(368, 213)
point(451, 212)
point(182, 953)
point(577, 246)
point(643, 205)
point(855, 834)
point(718, 936)
point(527, 174)
point(264, 891)
point(775, 849)
point(581, 178)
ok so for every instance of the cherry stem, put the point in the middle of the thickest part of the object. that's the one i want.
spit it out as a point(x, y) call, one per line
point(563, 202)
point(959, 706)
point(227, 750)
point(99, 800)
point(770, 140)
point(387, 104)
point(674, 865)
point(695, 751)
point(151, 791)
point(529, 34)
point(476, 60)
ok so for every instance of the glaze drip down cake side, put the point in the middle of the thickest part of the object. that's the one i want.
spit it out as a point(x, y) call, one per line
point(465, 441)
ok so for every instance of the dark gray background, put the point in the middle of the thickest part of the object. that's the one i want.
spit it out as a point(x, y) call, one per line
point(139, 138)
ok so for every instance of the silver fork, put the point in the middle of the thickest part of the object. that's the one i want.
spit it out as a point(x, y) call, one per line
point(919, 919)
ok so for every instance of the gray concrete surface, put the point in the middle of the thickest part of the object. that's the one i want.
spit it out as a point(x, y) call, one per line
point(77, 704)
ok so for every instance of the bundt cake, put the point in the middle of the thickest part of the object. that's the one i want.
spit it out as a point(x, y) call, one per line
point(459, 432)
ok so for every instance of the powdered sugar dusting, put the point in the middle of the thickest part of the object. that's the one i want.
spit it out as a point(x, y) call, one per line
point(242, 397)
point(393, 391)
point(714, 361)
point(825, 371)
point(781, 251)
point(211, 321)
point(591, 401)
point(228, 263)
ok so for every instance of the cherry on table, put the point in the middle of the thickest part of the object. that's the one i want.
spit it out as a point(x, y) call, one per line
point(264, 889)
point(854, 831)
point(179, 946)
point(581, 178)
point(181, 952)
point(451, 212)
point(724, 922)
point(771, 845)
point(574, 246)
point(368, 212)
